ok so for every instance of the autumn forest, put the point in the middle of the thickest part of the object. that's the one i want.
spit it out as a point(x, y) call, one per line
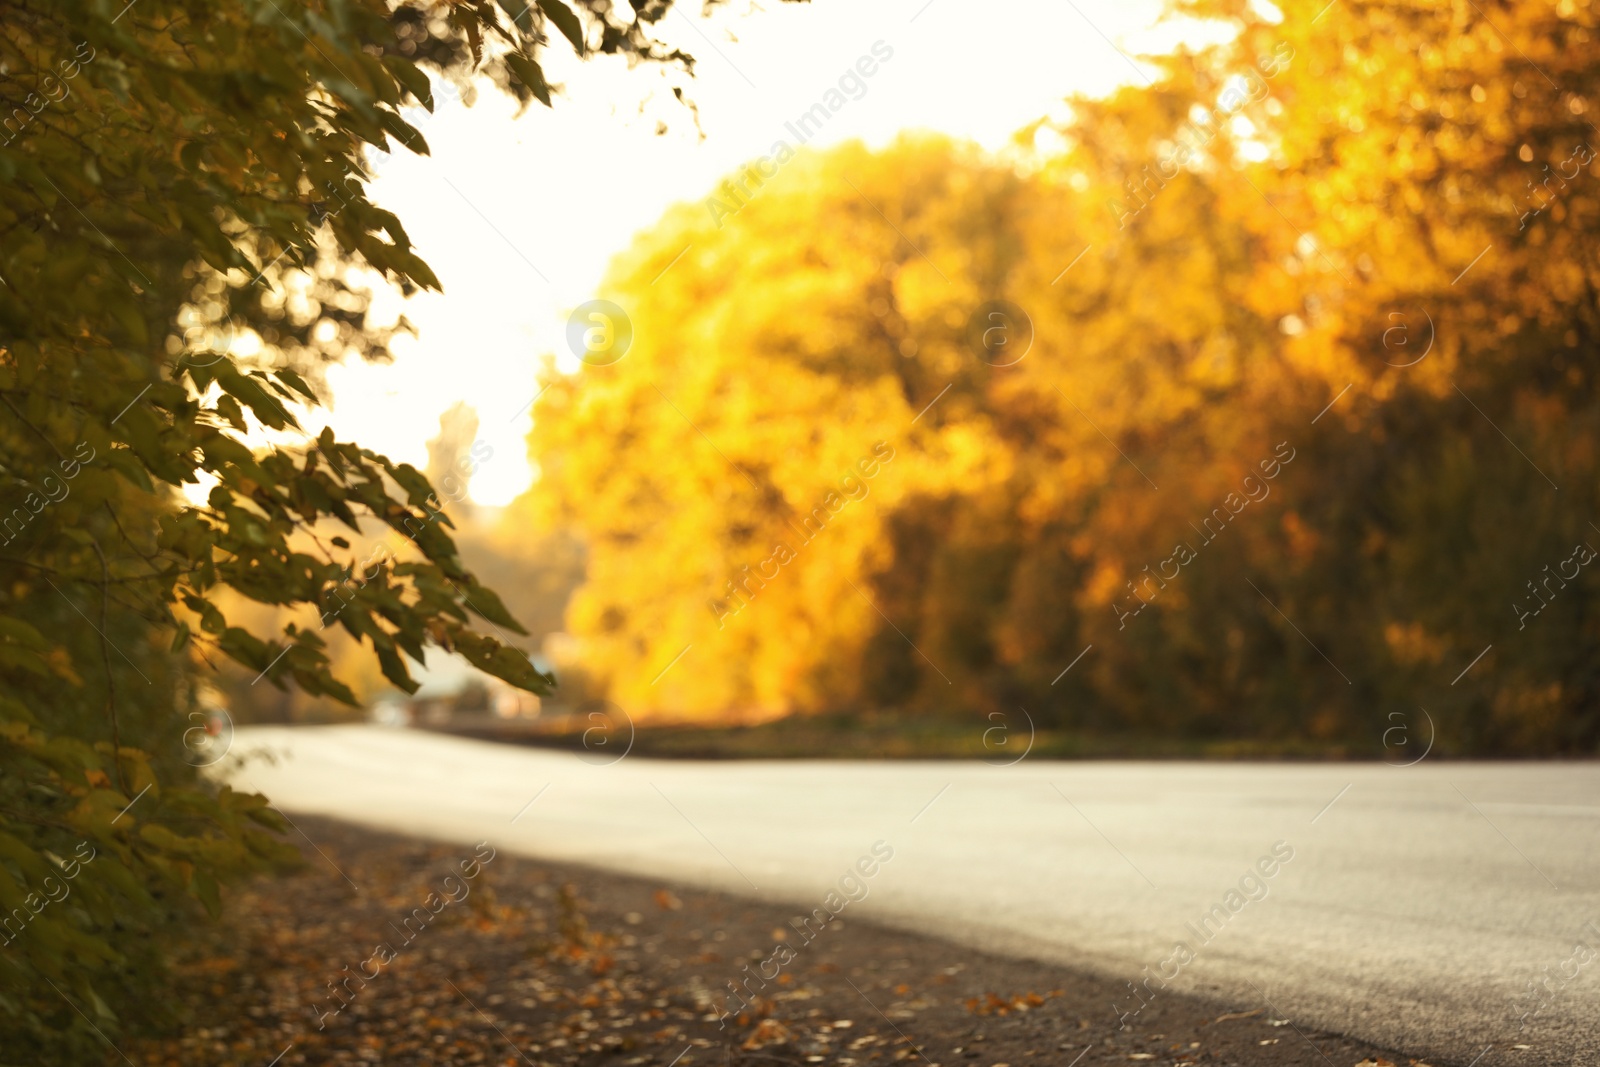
point(1298, 415)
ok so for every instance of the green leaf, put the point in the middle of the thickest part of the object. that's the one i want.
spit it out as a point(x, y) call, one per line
point(486, 603)
point(518, 10)
point(207, 892)
point(295, 382)
point(529, 73)
point(394, 668)
point(566, 21)
point(415, 81)
point(101, 1008)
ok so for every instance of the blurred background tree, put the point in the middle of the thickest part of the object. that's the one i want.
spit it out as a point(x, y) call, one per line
point(1387, 208)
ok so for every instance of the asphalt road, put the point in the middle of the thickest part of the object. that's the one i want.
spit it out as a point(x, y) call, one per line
point(1418, 905)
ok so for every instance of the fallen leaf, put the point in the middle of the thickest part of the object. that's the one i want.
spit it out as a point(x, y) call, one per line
point(769, 1032)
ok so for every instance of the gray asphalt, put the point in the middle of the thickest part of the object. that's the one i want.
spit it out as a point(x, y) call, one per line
point(1418, 906)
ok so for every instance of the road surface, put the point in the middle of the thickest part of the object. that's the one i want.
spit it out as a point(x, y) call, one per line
point(1418, 904)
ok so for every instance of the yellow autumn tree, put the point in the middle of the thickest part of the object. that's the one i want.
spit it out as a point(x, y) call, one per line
point(1296, 345)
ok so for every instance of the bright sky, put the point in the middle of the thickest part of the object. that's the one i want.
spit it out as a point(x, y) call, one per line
point(519, 216)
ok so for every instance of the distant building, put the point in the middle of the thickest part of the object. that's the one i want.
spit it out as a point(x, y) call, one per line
point(452, 692)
